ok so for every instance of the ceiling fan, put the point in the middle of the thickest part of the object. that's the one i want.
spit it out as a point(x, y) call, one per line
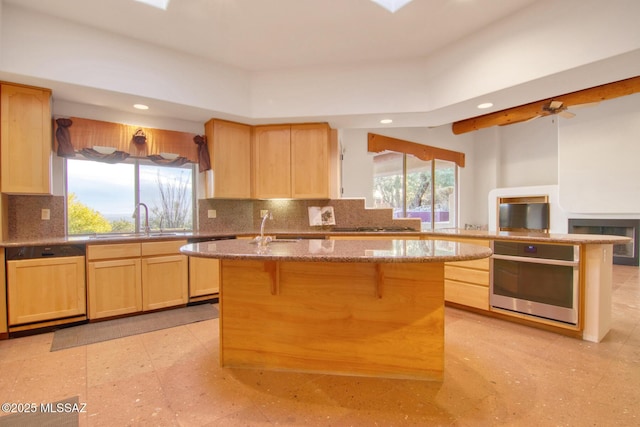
point(545, 107)
point(558, 107)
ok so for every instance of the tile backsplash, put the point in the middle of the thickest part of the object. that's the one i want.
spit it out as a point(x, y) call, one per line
point(24, 217)
point(293, 215)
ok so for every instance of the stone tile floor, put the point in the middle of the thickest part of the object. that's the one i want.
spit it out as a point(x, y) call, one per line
point(496, 373)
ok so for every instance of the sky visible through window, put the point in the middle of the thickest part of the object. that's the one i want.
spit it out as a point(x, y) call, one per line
point(110, 188)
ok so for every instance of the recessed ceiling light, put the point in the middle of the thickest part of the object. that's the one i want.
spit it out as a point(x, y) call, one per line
point(141, 106)
point(391, 5)
point(160, 4)
point(386, 121)
point(485, 105)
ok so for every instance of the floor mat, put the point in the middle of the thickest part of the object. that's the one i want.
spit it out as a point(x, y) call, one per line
point(57, 414)
point(103, 331)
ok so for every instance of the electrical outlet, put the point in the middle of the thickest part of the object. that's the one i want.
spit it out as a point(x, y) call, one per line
point(263, 212)
point(211, 213)
point(45, 214)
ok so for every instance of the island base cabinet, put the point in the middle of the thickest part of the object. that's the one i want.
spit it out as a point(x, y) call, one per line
point(164, 281)
point(363, 319)
point(114, 288)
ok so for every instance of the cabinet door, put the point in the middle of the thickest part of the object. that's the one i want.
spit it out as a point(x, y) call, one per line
point(45, 289)
point(25, 139)
point(204, 276)
point(230, 151)
point(114, 287)
point(272, 161)
point(165, 281)
point(310, 161)
point(3, 296)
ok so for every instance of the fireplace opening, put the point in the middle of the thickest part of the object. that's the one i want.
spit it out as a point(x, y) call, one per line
point(623, 254)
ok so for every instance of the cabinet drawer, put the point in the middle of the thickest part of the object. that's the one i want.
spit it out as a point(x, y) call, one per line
point(466, 294)
point(119, 250)
point(478, 264)
point(461, 274)
point(170, 247)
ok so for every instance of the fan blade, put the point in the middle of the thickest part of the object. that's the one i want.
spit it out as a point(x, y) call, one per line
point(566, 114)
point(586, 104)
point(521, 121)
point(554, 105)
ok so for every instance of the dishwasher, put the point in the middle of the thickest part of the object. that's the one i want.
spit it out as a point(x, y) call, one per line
point(45, 285)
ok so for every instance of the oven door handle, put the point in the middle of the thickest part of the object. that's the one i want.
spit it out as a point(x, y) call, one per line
point(536, 260)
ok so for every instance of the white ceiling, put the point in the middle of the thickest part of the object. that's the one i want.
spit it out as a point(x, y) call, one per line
point(276, 34)
point(289, 37)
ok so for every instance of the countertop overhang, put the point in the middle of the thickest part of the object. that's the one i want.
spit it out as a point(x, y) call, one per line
point(322, 250)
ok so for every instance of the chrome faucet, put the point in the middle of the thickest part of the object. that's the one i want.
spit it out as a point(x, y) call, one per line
point(263, 241)
point(147, 229)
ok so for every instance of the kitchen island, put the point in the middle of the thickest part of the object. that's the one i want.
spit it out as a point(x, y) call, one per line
point(351, 307)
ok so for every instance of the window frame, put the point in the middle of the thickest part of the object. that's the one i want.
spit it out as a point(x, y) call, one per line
point(136, 162)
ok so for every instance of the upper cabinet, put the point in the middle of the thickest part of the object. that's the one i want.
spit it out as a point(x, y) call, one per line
point(229, 146)
point(310, 161)
point(272, 161)
point(291, 161)
point(25, 139)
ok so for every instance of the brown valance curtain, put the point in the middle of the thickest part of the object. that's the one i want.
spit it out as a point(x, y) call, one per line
point(86, 133)
point(115, 157)
point(65, 148)
point(204, 161)
point(178, 161)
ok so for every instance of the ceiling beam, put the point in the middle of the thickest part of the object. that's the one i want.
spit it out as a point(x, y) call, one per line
point(537, 109)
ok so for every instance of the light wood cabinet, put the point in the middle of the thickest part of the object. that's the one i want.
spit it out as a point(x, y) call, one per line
point(133, 277)
point(165, 276)
point(114, 280)
point(229, 147)
point(467, 282)
point(25, 139)
point(204, 277)
point(114, 287)
point(3, 297)
point(291, 161)
point(45, 289)
point(272, 161)
point(310, 161)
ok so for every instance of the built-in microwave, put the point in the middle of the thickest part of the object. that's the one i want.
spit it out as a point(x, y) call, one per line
point(541, 280)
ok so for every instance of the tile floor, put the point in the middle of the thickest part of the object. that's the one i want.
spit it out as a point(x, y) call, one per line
point(497, 373)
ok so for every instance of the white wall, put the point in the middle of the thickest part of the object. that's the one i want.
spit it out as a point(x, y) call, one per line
point(599, 152)
point(529, 153)
point(591, 159)
point(357, 164)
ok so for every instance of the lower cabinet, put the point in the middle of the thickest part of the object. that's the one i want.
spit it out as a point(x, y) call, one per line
point(3, 298)
point(45, 289)
point(204, 278)
point(133, 277)
point(467, 282)
point(165, 281)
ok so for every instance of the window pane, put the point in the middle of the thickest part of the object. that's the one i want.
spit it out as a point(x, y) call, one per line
point(100, 197)
point(167, 191)
point(388, 183)
point(445, 203)
point(419, 189)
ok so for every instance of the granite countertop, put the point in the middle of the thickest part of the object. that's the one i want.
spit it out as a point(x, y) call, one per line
point(320, 233)
point(321, 250)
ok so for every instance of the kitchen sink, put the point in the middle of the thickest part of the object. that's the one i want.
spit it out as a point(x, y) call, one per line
point(130, 235)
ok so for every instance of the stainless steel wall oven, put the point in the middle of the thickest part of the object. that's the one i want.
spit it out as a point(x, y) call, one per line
point(541, 280)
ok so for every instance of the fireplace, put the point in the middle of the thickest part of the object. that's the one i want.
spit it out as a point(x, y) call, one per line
point(625, 254)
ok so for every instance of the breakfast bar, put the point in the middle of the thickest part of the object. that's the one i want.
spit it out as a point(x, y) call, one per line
point(352, 307)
